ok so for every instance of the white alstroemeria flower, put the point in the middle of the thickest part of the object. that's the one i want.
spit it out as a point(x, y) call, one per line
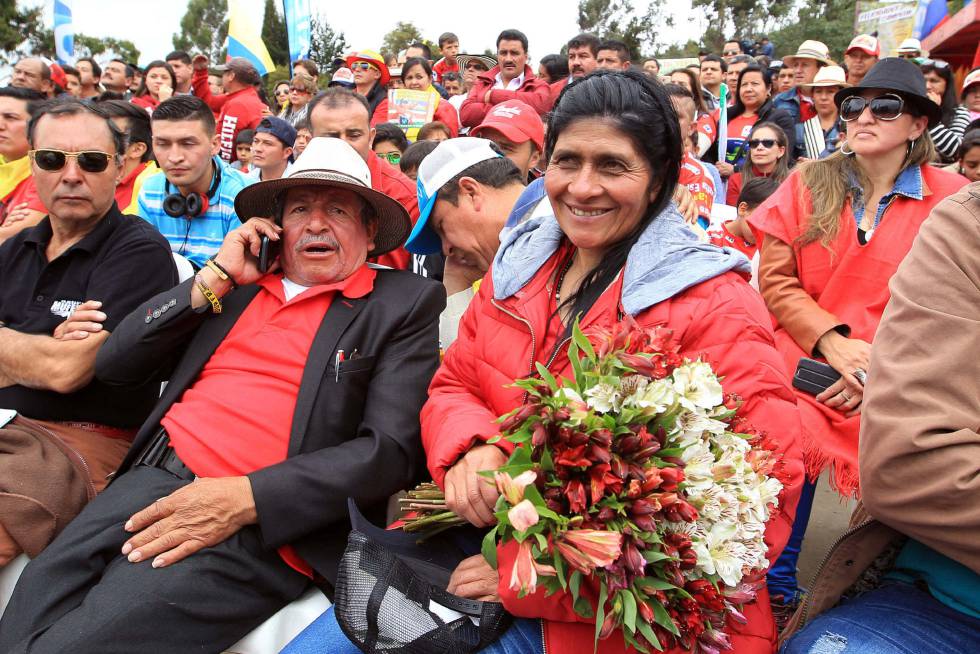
point(603, 397)
point(719, 554)
point(697, 386)
point(691, 426)
point(568, 394)
point(656, 396)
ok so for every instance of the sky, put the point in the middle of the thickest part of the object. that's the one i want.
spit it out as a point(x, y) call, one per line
point(150, 24)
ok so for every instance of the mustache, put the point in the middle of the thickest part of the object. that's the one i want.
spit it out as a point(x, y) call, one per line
point(317, 239)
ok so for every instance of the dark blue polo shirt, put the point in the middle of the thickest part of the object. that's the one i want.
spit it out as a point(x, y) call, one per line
point(122, 262)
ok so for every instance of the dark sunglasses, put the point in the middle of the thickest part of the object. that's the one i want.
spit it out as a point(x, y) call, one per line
point(91, 161)
point(729, 53)
point(883, 107)
point(766, 143)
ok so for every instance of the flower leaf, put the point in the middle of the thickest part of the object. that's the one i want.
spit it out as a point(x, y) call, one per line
point(662, 618)
point(629, 610)
point(578, 337)
point(489, 548)
point(600, 615)
point(547, 376)
point(648, 633)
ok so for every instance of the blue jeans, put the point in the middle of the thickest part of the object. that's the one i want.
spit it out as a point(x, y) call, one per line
point(325, 636)
point(781, 578)
point(894, 619)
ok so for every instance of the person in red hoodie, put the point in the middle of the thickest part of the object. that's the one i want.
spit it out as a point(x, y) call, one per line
point(344, 114)
point(239, 107)
point(510, 79)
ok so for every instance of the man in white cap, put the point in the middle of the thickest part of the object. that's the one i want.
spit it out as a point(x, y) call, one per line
point(466, 189)
point(289, 391)
point(810, 57)
point(862, 53)
point(909, 49)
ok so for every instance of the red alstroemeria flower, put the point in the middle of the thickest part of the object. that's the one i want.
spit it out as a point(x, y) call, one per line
point(524, 576)
point(602, 547)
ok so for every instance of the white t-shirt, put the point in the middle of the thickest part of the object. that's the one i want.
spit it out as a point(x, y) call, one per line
point(292, 289)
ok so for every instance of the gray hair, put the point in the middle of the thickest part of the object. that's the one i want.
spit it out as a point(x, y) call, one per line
point(72, 107)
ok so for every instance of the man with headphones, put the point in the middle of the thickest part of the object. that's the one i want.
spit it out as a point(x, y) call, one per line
point(192, 202)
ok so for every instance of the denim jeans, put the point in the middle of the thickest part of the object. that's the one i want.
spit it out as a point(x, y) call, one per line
point(895, 619)
point(325, 636)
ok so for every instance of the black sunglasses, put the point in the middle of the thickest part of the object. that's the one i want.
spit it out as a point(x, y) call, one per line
point(766, 143)
point(883, 107)
point(91, 161)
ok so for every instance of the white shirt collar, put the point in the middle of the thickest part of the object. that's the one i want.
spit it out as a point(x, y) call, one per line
point(513, 85)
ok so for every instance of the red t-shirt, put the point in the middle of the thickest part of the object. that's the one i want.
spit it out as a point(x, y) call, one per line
point(700, 183)
point(237, 416)
point(444, 66)
point(724, 238)
point(392, 182)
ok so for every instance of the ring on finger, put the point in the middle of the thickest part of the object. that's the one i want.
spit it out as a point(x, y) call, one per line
point(847, 398)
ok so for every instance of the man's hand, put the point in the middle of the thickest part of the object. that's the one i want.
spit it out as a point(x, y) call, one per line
point(84, 320)
point(198, 515)
point(16, 214)
point(474, 579)
point(200, 62)
point(725, 169)
point(486, 98)
point(685, 203)
point(234, 253)
point(470, 495)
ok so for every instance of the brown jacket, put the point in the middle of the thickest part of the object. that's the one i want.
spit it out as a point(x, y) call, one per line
point(920, 446)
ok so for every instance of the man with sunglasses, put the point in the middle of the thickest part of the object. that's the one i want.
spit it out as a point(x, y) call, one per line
point(85, 262)
point(731, 50)
point(371, 77)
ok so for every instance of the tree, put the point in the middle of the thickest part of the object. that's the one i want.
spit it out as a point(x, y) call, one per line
point(744, 19)
point(326, 44)
point(403, 35)
point(274, 34)
point(617, 19)
point(21, 31)
point(204, 28)
point(831, 23)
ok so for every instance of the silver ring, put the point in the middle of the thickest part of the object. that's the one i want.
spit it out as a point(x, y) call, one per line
point(861, 375)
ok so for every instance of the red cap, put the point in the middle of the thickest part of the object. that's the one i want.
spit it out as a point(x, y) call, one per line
point(58, 75)
point(866, 43)
point(516, 120)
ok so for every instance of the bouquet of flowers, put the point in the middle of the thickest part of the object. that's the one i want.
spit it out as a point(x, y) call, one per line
point(638, 477)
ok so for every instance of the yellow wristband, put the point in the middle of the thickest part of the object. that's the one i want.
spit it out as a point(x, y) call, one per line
point(208, 293)
point(220, 272)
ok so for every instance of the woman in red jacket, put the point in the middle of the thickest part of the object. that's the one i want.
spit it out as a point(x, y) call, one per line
point(615, 245)
point(417, 76)
point(158, 85)
point(835, 232)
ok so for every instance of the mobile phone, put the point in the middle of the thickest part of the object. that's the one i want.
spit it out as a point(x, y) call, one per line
point(268, 252)
point(814, 377)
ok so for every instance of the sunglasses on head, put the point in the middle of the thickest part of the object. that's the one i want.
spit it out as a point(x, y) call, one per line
point(935, 63)
point(91, 161)
point(391, 157)
point(362, 65)
point(883, 107)
point(766, 143)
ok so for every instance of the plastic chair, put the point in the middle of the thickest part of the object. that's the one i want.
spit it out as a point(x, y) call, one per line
point(9, 575)
point(185, 270)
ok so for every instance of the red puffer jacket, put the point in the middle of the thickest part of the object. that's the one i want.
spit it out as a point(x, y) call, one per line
point(534, 91)
point(723, 320)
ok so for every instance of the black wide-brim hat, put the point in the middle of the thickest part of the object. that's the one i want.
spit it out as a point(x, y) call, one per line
point(899, 76)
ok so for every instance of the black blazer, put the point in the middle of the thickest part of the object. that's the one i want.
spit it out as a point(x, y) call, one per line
point(357, 437)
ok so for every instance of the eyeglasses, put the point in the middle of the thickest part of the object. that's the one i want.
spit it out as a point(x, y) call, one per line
point(766, 143)
point(391, 157)
point(362, 65)
point(884, 107)
point(296, 90)
point(91, 161)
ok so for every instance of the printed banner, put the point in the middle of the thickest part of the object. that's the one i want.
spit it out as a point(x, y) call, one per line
point(892, 19)
point(411, 109)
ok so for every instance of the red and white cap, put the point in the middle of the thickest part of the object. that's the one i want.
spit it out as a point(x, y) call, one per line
point(516, 120)
point(971, 80)
point(865, 43)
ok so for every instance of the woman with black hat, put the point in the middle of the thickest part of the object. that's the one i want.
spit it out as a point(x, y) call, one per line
point(834, 233)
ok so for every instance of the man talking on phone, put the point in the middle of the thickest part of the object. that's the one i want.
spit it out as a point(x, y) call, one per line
point(289, 391)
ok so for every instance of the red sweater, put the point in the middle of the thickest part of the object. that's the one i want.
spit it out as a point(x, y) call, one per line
point(238, 111)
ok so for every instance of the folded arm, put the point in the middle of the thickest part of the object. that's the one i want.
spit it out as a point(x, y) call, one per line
point(45, 363)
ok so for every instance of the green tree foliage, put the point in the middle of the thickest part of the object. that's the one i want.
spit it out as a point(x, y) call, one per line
point(18, 27)
point(744, 19)
point(831, 22)
point(326, 44)
point(403, 35)
point(618, 19)
point(274, 34)
point(204, 28)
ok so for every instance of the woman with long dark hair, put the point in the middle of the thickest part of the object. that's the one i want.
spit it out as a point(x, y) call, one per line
point(615, 245)
point(753, 104)
point(158, 84)
point(941, 87)
point(835, 232)
point(768, 156)
point(416, 75)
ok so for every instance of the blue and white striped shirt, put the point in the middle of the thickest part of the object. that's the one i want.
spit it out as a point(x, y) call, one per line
point(198, 238)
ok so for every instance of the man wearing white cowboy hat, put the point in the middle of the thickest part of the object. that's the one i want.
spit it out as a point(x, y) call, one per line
point(910, 49)
point(809, 58)
point(817, 138)
point(289, 391)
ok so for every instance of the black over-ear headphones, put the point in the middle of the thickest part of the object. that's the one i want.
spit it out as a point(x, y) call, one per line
point(194, 204)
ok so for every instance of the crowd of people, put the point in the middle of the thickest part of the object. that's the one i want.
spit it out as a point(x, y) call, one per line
point(226, 309)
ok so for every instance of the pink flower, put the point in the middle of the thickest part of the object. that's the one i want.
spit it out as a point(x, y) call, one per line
point(601, 547)
point(523, 515)
point(524, 576)
point(512, 488)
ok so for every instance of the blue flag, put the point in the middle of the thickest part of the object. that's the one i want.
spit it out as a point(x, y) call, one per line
point(297, 13)
point(64, 32)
